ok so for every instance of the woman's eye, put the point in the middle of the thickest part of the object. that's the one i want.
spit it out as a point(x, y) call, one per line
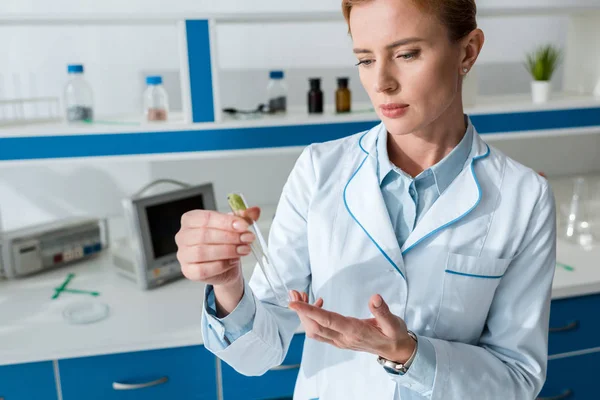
point(366, 63)
point(409, 56)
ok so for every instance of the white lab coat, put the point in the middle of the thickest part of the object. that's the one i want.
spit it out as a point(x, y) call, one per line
point(474, 277)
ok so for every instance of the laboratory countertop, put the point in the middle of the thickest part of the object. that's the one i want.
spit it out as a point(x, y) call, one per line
point(33, 328)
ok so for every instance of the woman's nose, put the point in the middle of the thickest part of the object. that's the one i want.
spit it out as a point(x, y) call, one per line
point(386, 82)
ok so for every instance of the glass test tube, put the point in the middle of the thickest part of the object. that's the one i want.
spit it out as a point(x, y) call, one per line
point(238, 204)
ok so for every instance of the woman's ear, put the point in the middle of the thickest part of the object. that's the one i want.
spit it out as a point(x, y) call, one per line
point(470, 46)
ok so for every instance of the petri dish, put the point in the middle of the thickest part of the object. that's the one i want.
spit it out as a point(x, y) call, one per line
point(85, 312)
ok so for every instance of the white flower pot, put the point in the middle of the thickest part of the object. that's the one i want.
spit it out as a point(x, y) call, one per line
point(540, 91)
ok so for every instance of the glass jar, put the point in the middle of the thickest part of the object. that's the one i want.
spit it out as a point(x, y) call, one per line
point(277, 93)
point(156, 101)
point(315, 97)
point(343, 96)
point(79, 102)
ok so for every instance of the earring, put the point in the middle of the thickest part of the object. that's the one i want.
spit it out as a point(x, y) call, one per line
point(465, 70)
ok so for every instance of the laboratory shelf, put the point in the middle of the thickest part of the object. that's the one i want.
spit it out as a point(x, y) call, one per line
point(499, 118)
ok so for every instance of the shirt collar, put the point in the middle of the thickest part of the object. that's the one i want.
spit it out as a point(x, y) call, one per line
point(444, 171)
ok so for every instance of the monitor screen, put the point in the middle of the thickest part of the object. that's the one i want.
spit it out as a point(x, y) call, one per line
point(164, 221)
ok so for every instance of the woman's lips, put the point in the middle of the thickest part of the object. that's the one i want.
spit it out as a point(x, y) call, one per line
point(393, 110)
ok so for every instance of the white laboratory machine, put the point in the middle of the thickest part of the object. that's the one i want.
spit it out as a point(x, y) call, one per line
point(38, 248)
point(148, 255)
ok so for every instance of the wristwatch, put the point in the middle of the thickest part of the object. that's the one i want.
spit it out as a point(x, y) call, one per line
point(398, 368)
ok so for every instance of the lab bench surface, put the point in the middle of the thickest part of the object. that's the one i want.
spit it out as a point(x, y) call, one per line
point(165, 317)
point(151, 341)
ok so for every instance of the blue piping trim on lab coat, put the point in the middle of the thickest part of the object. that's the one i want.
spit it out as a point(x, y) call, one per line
point(462, 216)
point(356, 220)
point(475, 276)
point(360, 143)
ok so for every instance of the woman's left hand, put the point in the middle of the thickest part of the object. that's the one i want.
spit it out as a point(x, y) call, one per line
point(385, 335)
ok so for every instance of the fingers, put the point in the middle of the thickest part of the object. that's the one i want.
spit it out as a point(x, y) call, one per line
point(214, 273)
point(303, 297)
point(315, 331)
point(253, 213)
point(209, 253)
point(324, 340)
point(214, 220)
point(388, 322)
point(324, 318)
point(295, 295)
point(195, 236)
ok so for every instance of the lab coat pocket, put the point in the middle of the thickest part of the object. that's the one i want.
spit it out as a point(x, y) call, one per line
point(469, 287)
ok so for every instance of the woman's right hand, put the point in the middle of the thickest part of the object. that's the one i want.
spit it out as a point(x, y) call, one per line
point(210, 245)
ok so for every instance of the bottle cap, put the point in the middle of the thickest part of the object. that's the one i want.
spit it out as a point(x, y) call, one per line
point(276, 75)
point(343, 82)
point(75, 69)
point(154, 80)
point(315, 83)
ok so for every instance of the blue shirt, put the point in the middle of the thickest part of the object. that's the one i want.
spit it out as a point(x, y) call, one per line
point(407, 199)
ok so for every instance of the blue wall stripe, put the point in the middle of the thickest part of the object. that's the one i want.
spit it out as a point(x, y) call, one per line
point(173, 141)
point(536, 120)
point(111, 144)
point(201, 89)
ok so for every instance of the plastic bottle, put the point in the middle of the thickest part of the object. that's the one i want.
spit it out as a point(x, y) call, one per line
point(315, 97)
point(79, 100)
point(156, 101)
point(277, 92)
point(343, 96)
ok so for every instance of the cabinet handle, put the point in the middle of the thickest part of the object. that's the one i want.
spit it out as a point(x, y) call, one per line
point(571, 327)
point(285, 367)
point(135, 386)
point(567, 393)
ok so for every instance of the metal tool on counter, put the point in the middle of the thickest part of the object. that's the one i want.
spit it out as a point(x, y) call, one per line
point(63, 288)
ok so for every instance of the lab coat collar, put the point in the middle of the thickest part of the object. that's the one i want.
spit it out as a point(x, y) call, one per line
point(368, 141)
point(444, 171)
point(365, 204)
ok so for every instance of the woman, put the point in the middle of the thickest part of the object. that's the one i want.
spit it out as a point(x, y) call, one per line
point(414, 226)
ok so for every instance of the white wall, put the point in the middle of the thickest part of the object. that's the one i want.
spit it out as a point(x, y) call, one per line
point(42, 192)
point(117, 57)
point(174, 6)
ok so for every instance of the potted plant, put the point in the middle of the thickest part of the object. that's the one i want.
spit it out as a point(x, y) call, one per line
point(541, 64)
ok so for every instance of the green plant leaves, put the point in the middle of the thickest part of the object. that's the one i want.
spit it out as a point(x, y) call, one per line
point(543, 62)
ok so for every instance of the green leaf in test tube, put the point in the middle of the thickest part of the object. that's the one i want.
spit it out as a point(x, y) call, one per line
point(236, 202)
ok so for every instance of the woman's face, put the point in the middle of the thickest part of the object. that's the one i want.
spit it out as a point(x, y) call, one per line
point(407, 64)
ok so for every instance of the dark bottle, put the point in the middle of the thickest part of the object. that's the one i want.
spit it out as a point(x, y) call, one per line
point(315, 97)
point(343, 96)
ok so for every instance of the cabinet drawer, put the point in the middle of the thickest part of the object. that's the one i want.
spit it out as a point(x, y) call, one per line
point(572, 378)
point(275, 384)
point(28, 382)
point(178, 373)
point(574, 324)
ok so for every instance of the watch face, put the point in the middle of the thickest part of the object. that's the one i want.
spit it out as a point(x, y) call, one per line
point(392, 370)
